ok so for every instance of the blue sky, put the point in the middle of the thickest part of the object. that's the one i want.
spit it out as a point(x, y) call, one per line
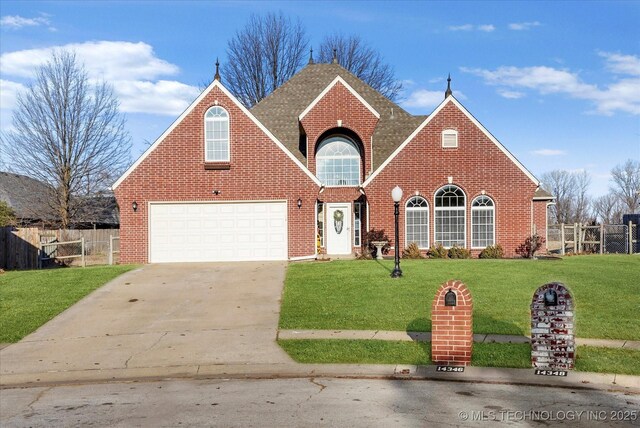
point(558, 83)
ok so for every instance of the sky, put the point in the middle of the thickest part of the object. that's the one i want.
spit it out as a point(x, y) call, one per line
point(557, 83)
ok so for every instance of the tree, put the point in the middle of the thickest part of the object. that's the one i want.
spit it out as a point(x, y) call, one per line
point(570, 190)
point(626, 185)
point(263, 55)
point(608, 209)
point(7, 215)
point(67, 131)
point(363, 61)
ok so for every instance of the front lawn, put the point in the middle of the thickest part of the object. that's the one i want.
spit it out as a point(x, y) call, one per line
point(28, 299)
point(360, 295)
point(516, 355)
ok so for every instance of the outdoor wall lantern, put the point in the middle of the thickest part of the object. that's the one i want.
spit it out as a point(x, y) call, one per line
point(299, 203)
point(134, 205)
point(550, 298)
point(450, 299)
point(396, 195)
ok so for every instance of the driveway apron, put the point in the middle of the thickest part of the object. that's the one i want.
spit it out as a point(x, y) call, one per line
point(163, 315)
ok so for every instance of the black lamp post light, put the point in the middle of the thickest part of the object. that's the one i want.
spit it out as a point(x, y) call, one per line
point(396, 195)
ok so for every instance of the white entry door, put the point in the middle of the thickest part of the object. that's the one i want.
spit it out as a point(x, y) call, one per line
point(338, 226)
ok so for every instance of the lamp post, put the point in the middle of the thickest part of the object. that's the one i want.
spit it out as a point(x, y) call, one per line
point(396, 195)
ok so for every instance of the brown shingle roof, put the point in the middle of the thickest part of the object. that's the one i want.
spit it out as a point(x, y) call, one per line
point(280, 110)
point(27, 196)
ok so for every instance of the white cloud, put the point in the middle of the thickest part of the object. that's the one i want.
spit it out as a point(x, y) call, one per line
point(549, 152)
point(622, 64)
point(132, 68)
point(8, 93)
point(622, 95)
point(513, 95)
point(423, 98)
point(465, 27)
point(102, 59)
point(16, 22)
point(487, 28)
point(162, 97)
point(521, 26)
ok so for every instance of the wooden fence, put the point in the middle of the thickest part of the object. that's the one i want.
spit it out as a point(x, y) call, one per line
point(603, 238)
point(20, 248)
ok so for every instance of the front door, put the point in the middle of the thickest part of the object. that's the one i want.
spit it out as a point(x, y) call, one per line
point(338, 228)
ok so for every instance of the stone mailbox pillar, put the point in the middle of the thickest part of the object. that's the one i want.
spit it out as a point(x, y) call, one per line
point(552, 328)
point(451, 325)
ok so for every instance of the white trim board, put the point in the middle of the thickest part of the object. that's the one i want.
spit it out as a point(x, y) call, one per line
point(326, 90)
point(214, 84)
point(493, 139)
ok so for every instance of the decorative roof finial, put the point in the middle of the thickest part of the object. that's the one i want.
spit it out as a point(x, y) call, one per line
point(335, 56)
point(448, 91)
point(217, 76)
point(310, 55)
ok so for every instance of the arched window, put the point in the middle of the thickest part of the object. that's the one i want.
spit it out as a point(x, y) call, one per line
point(216, 135)
point(450, 216)
point(417, 222)
point(482, 222)
point(338, 162)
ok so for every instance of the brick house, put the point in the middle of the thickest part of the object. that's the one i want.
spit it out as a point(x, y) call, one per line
point(316, 161)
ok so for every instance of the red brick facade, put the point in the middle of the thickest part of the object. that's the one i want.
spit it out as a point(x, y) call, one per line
point(452, 326)
point(261, 169)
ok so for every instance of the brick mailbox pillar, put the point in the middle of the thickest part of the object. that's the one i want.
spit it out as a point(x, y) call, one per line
point(451, 325)
point(552, 328)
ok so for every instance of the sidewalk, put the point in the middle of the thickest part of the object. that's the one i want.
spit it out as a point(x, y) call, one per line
point(420, 336)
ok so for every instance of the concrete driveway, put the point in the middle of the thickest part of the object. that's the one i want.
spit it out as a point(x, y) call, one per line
point(158, 317)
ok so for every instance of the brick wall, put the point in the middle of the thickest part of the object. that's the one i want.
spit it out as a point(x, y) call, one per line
point(175, 171)
point(477, 164)
point(452, 326)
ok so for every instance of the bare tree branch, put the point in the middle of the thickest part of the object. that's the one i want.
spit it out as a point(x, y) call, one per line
point(363, 61)
point(263, 55)
point(608, 209)
point(626, 185)
point(570, 190)
point(69, 133)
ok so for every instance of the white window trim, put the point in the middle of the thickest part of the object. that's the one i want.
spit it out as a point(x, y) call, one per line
point(406, 223)
point(206, 120)
point(360, 161)
point(483, 208)
point(449, 132)
point(436, 209)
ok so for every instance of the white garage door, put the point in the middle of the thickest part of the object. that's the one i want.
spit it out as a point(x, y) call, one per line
point(203, 232)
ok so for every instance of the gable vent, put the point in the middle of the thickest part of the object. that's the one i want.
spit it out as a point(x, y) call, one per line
point(449, 138)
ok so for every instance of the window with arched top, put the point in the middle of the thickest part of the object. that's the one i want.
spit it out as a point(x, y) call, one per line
point(338, 162)
point(216, 135)
point(482, 222)
point(450, 216)
point(417, 222)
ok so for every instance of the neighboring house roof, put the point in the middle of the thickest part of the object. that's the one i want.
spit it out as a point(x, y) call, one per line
point(27, 196)
point(98, 210)
point(280, 111)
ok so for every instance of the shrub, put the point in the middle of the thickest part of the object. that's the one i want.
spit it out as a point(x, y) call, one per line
point(376, 235)
point(456, 252)
point(412, 252)
point(532, 244)
point(365, 255)
point(492, 252)
point(437, 251)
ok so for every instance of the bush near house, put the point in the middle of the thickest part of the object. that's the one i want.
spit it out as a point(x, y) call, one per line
point(412, 252)
point(492, 252)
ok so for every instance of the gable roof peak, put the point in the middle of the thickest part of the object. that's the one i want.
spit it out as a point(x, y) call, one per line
point(448, 92)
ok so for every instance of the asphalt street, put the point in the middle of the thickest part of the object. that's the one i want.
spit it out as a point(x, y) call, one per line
point(308, 402)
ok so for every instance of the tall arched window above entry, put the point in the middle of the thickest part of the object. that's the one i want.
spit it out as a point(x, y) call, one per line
point(417, 222)
point(450, 216)
point(216, 135)
point(338, 162)
point(482, 222)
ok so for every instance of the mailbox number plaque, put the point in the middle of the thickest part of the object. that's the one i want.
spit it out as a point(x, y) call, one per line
point(548, 372)
point(450, 369)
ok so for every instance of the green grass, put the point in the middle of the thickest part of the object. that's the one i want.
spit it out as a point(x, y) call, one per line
point(28, 299)
point(515, 355)
point(360, 295)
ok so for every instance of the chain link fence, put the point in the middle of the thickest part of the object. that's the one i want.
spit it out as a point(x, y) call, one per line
point(599, 239)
